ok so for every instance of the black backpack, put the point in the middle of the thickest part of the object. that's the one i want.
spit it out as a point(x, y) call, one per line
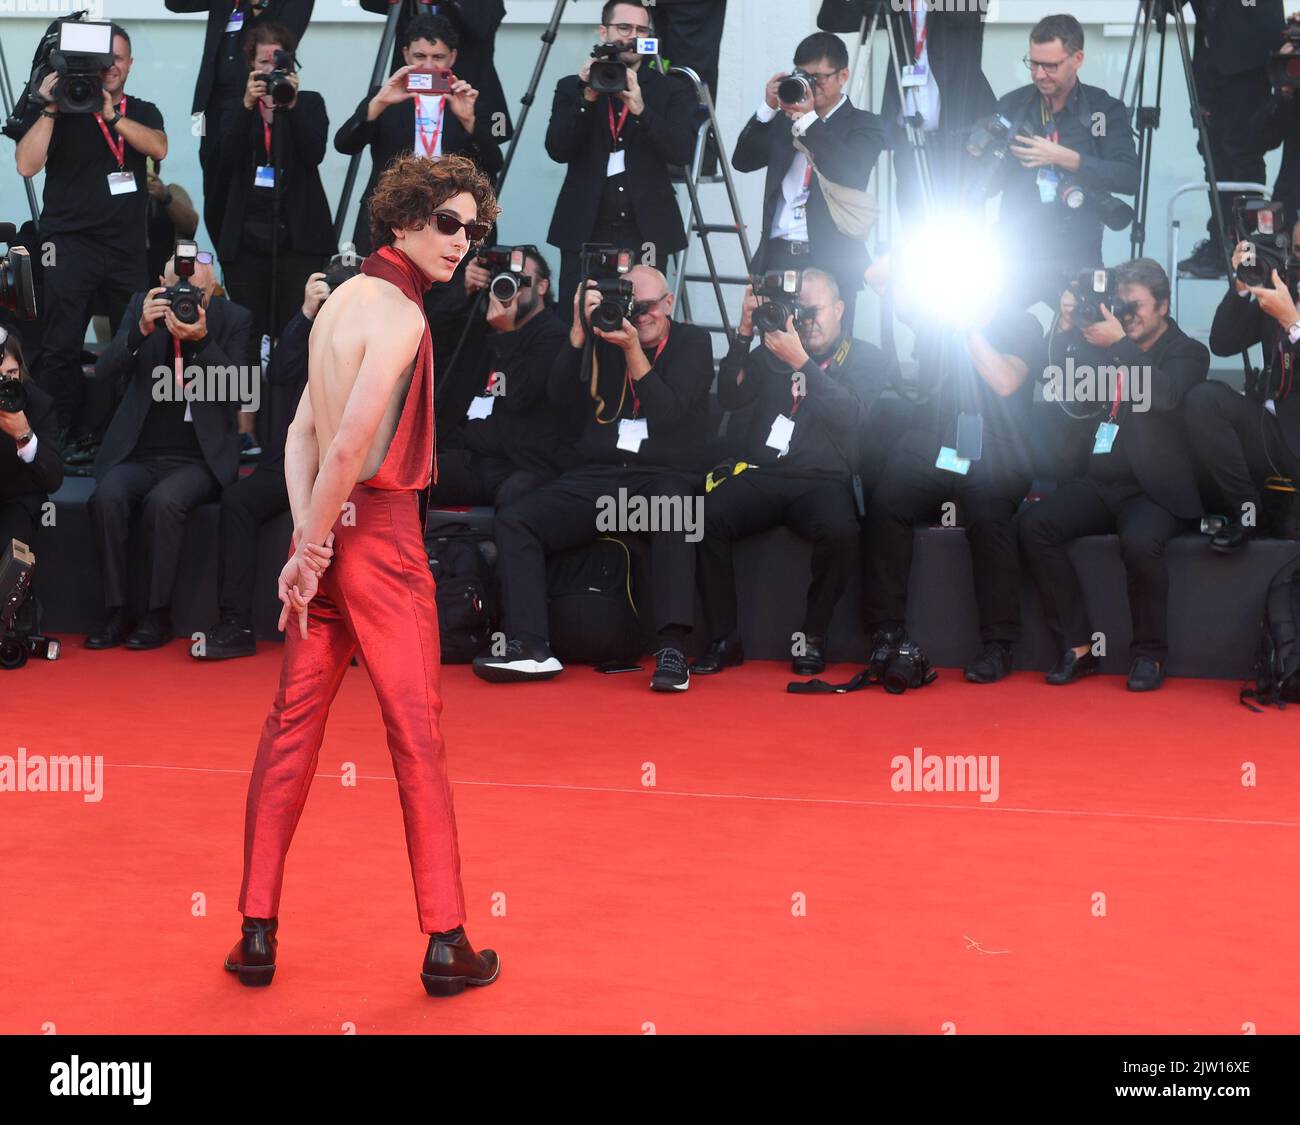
point(461, 561)
point(1277, 660)
point(593, 617)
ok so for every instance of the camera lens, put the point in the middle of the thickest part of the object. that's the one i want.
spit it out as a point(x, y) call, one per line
point(504, 287)
point(186, 309)
point(608, 77)
point(13, 396)
point(13, 653)
point(793, 90)
point(900, 673)
point(17, 290)
point(608, 315)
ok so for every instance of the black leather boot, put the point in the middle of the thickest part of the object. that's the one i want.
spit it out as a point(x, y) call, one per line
point(253, 957)
point(450, 963)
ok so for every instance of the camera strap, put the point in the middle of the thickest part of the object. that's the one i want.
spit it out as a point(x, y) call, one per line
point(118, 149)
point(1286, 360)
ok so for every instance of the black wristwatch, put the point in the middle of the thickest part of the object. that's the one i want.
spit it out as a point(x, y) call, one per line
point(112, 121)
point(46, 112)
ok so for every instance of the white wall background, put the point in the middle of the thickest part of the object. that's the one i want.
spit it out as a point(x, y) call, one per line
point(339, 52)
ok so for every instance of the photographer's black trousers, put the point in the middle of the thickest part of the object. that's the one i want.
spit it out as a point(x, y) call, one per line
point(245, 506)
point(248, 281)
point(1226, 103)
point(165, 489)
point(911, 491)
point(468, 478)
point(82, 266)
point(1093, 507)
point(1239, 443)
point(563, 514)
point(816, 509)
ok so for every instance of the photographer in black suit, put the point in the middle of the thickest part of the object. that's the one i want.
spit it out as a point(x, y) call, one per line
point(1276, 121)
point(513, 438)
point(950, 94)
point(1233, 42)
point(808, 389)
point(163, 453)
point(842, 144)
point(1140, 480)
point(222, 75)
point(1066, 134)
point(31, 461)
point(390, 120)
point(1242, 440)
point(618, 148)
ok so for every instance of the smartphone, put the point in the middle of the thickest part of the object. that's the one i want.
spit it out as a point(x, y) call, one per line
point(614, 667)
point(428, 82)
point(970, 436)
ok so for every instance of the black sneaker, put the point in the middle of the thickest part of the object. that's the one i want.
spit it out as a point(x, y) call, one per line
point(227, 641)
point(249, 450)
point(993, 664)
point(1206, 260)
point(671, 673)
point(518, 664)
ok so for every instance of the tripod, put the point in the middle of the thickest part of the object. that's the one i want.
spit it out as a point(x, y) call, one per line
point(548, 38)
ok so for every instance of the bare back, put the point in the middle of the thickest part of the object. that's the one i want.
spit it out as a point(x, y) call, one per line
point(363, 317)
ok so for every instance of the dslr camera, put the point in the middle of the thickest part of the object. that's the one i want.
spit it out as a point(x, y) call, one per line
point(1094, 288)
point(606, 265)
point(1114, 213)
point(341, 268)
point(608, 74)
point(778, 291)
point(1284, 66)
point(506, 264)
point(186, 299)
point(1263, 225)
point(19, 641)
point(278, 87)
point(13, 393)
point(899, 667)
point(796, 87)
point(17, 291)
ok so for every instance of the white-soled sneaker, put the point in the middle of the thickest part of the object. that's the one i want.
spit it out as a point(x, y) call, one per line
point(518, 664)
point(671, 673)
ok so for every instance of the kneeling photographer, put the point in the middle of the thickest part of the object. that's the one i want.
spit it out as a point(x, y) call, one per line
point(514, 438)
point(1139, 480)
point(809, 387)
point(1243, 440)
point(966, 444)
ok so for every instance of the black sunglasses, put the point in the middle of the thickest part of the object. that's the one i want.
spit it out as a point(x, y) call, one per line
point(449, 224)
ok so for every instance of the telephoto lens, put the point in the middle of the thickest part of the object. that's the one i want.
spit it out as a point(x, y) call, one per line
point(795, 88)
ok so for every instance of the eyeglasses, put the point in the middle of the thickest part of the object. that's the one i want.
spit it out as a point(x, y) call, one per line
point(641, 308)
point(450, 224)
point(204, 257)
point(627, 30)
point(820, 77)
point(1048, 68)
point(810, 312)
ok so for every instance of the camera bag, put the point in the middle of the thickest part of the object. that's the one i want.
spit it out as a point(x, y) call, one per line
point(593, 616)
point(460, 559)
point(1277, 659)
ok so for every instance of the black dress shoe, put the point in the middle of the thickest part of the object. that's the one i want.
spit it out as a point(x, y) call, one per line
point(450, 964)
point(154, 631)
point(721, 654)
point(228, 640)
point(813, 660)
point(113, 632)
point(1232, 538)
point(1072, 667)
point(993, 664)
point(1147, 674)
point(253, 957)
point(1206, 260)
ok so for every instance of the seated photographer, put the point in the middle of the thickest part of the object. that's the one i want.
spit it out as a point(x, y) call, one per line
point(31, 462)
point(645, 403)
point(273, 140)
point(1066, 135)
point(392, 119)
point(167, 450)
point(93, 217)
point(1140, 480)
point(810, 387)
point(966, 443)
point(251, 501)
point(842, 144)
point(1242, 440)
point(618, 148)
point(515, 438)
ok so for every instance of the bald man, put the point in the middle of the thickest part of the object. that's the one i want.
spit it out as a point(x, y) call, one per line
point(171, 445)
point(644, 415)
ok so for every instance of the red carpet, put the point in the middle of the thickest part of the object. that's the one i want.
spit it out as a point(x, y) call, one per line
point(620, 905)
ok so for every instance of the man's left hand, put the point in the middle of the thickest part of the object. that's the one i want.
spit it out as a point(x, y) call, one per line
point(1039, 152)
point(187, 332)
point(1107, 332)
point(624, 337)
point(1276, 301)
point(462, 99)
point(632, 95)
point(786, 345)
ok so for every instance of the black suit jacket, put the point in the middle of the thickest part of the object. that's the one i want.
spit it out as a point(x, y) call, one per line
point(662, 135)
point(1232, 37)
point(956, 47)
point(1277, 122)
point(1239, 323)
point(844, 149)
point(393, 131)
point(45, 473)
point(303, 132)
point(477, 22)
point(131, 358)
point(294, 14)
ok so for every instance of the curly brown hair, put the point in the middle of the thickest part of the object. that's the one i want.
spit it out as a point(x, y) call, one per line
point(412, 188)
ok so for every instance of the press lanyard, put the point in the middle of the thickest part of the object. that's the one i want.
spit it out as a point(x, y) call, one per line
point(119, 149)
point(798, 398)
point(430, 141)
point(1049, 118)
point(1119, 393)
point(266, 139)
point(180, 383)
point(922, 33)
point(636, 401)
point(613, 132)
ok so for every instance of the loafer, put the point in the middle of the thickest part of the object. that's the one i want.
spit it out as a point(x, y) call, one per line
point(450, 965)
point(721, 654)
point(228, 640)
point(154, 631)
point(1147, 674)
point(993, 664)
point(812, 662)
point(114, 631)
point(253, 957)
point(1072, 667)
